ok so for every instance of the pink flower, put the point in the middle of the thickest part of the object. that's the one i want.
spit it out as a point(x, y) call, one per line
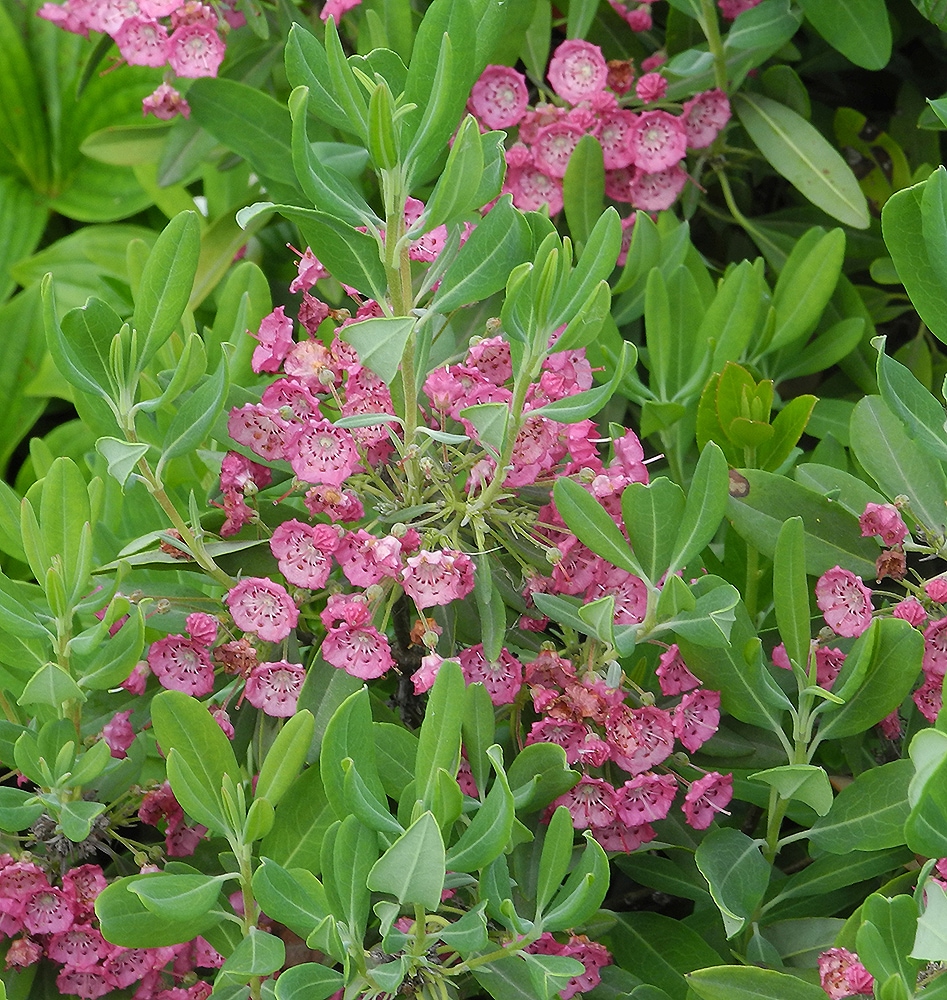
point(531, 189)
point(142, 42)
point(706, 797)
point(658, 141)
point(181, 664)
point(502, 678)
point(936, 589)
point(337, 504)
point(366, 559)
point(554, 145)
point(310, 270)
point(423, 678)
point(650, 87)
point(437, 578)
point(697, 717)
point(672, 673)
point(499, 97)
point(844, 601)
point(202, 628)
point(165, 103)
point(304, 552)
point(591, 954)
point(621, 837)
point(934, 663)
point(119, 735)
point(592, 802)
point(842, 975)
point(828, 664)
point(911, 610)
point(195, 50)
point(704, 116)
point(884, 519)
point(654, 192)
point(646, 798)
point(577, 70)
point(322, 453)
point(614, 135)
point(275, 687)
point(80, 947)
point(261, 606)
point(85, 983)
point(360, 650)
point(47, 911)
point(260, 429)
point(929, 698)
point(336, 8)
point(275, 336)
point(24, 951)
point(731, 10)
point(639, 737)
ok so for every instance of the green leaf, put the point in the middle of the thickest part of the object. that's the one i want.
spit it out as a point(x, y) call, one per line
point(396, 750)
point(412, 869)
point(302, 817)
point(918, 410)
point(308, 982)
point(799, 152)
point(538, 775)
point(185, 728)
point(178, 897)
point(585, 327)
point(583, 188)
point(351, 256)
point(705, 506)
point(592, 525)
point(925, 826)
point(500, 242)
point(458, 185)
point(52, 686)
point(439, 739)
point(491, 422)
point(349, 734)
point(805, 285)
point(791, 591)
point(126, 921)
point(89, 331)
point(295, 898)
point(832, 534)
point(286, 756)
point(307, 65)
point(660, 950)
point(652, 514)
point(351, 854)
point(196, 415)
point(258, 954)
point(788, 426)
point(802, 782)
point(165, 285)
point(914, 228)
point(491, 611)
point(555, 858)
point(869, 814)
point(583, 891)
point(19, 809)
point(886, 936)
point(710, 622)
point(115, 658)
point(487, 836)
point(248, 121)
point(895, 661)
point(931, 941)
point(594, 265)
point(859, 29)
point(733, 316)
point(737, 874)
point(76, 819)
point(581, 406)
point(380, 343)
point(370, 811)
point(832, 872)
point(121, 456)
point(743, 982)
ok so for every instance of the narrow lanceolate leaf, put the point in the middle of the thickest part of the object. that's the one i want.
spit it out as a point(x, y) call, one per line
point(791, 591)
point(743, 982)
point(804, 157)
point(592, 525)
point(704, 508)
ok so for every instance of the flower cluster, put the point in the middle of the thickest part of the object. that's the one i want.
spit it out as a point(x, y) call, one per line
point(884, 521)
point(842, 975)
point(637, 13)
point(57, 922)
point(590, 953)
point(643, 149)
point(185, 35)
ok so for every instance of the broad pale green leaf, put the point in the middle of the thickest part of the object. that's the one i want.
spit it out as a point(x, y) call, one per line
point(308, 66)
point(363, 805)
point(539, 773)
point(710, 622)
point(396, 750)
point(491, 611)
point(791, 591)
point(513, 979)
point(295, 898)
point(122, 457)
point(869, 814)
point(912, 403)
point(19, 809)
point(126, 921)
point(583, 891)
point(308, 982)
point(596, 263)
point(896, 462)
point(801, 154)
point(412, 869)
point(178, 897)
point(487, 836)
point(196, 415)
point(832, 534)
point(926, 824)
point(380, 343)
point(859, 29)
point(660, 950)
point(743, 982)
point(258, 954)
point(557, 841)
point(652, 514)
point(351, 256)
point(302, 817)
point(886, 936)
point(890, 674)
point(734, 315)
point(803, 782)
point(166, 282)
point(115, 658)
point(248, 121)
point(737, 874)
point(491, 421)
point(931, 942)
point(455, 192)
point(348, 857)
point(500, 242)
point(52, 686)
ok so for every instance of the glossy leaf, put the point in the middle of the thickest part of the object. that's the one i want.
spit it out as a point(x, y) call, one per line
point(798, 151)
point(178, 897)
point(805, 285)
point(286, 756)
point(801, 782)
point(258, 954)
point(743, 982)
point(302, 817)
point(704, 508)
point(832, 872)
point(918, 410)
point(931, 941)
point(652, 514)
point(859, 29)
point(454, 194)
point(295, 898)
point(583, 188)
point(538, 775)
point(583, 891)
point(196, 415)
point(308, 982)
